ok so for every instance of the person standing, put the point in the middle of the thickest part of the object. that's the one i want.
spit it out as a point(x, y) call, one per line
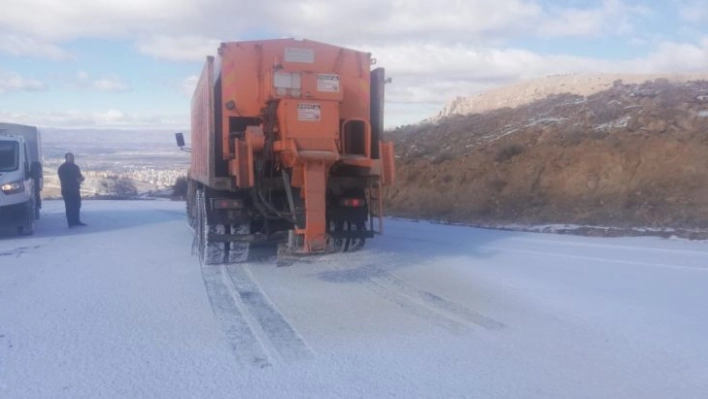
point(71, 178)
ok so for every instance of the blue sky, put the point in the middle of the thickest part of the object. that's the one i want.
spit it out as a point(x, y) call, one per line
point(133, 63)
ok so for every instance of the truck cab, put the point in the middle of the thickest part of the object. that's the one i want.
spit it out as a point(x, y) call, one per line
point(20, 184)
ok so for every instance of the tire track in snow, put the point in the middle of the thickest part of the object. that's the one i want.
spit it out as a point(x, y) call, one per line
point(248, 349)
point(19, 251)
point(272, 325)
point(437, 301)
point(426, 305)
point(417, 309)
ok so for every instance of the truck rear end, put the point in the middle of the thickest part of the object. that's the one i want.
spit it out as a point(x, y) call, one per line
point(286, 147)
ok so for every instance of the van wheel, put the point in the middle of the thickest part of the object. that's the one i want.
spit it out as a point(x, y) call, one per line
point(28, 228)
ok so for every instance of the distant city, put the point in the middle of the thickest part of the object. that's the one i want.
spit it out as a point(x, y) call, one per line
point(150, 160)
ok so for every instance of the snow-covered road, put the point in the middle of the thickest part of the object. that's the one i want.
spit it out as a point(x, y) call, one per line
point(121, 309)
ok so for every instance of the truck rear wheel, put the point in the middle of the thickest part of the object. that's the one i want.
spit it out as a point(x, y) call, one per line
point(348, 244)
point(238, 251)
point(356, 244)
point(191, 206)
point(210, 252)
point(213, 251)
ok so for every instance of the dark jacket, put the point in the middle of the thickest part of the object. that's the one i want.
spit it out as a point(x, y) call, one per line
point(70, 177)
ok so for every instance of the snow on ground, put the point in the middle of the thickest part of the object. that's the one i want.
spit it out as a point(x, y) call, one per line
point(121, 309)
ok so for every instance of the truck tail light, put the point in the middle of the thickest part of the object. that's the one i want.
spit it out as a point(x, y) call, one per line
point(227, 203)
point(352, 202)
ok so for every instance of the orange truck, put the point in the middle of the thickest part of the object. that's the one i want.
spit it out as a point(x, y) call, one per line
point(287, 150)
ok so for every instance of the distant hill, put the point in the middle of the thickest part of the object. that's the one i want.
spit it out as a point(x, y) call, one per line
point(634, 153)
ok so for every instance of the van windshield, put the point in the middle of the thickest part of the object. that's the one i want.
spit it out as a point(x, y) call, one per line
point(9, 156)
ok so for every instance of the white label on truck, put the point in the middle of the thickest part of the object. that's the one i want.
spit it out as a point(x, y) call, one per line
point(287, 80)
point(283, 79)
point(308, 112)
point(295, 54)
point(328, 82)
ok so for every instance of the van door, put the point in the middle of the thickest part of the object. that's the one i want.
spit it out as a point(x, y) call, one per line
point(29, 182)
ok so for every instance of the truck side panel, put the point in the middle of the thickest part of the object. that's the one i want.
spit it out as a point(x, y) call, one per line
point(202, 132)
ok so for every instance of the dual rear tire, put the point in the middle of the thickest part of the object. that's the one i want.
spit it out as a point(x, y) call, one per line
point(347, 244)
point(211, 250)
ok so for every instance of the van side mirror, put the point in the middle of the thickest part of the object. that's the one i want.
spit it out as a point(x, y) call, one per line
point(180, 139)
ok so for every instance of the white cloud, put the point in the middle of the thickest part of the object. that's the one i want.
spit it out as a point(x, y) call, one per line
point(70, 19)
point(359, 22)
point(375, 21)
point(84, 80)
point(82, 76)
point(189, 84)
point(436, 73)
point(178, 48)
point(110, 116)
point(679, 57)
point(611, 17)
point(107, 119)
point(26, 46)
point(112, 84)
point(692, 10)
point(13, 81)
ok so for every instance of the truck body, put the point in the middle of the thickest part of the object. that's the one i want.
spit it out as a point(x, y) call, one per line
point(21, 179)
point(286, 148)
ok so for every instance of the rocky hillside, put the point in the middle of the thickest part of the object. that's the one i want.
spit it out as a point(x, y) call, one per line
point(634, 154)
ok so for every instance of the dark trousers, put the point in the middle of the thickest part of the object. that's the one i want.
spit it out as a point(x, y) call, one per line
point(72, 202)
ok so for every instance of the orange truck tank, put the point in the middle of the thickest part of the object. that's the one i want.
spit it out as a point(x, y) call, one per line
point(286, 148)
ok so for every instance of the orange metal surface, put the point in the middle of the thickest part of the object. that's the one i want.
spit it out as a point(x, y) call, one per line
point(249, 69)
point(292, 112)
point(241, 167)
point(313, 191)
point(316, 87)
point(246, 68)
point(202, 124)
point(388, 163)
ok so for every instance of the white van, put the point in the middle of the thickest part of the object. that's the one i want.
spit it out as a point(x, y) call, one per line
point(20, 177)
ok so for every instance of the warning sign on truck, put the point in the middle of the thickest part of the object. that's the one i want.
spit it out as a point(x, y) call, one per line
point(328, 82)
point(303, 55)
point(308, 112)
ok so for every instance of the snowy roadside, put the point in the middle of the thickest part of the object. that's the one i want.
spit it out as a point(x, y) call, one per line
point(694, 234)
